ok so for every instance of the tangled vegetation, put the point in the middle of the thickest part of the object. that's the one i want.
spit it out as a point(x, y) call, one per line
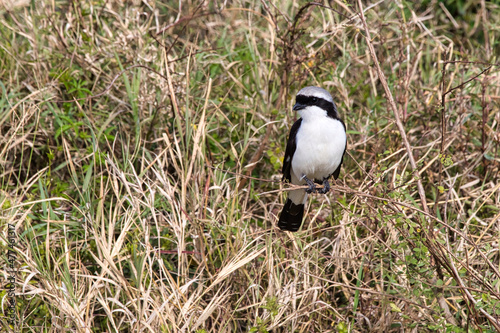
point(141, 152)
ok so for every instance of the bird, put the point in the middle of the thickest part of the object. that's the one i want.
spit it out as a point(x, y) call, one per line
point(314, 152)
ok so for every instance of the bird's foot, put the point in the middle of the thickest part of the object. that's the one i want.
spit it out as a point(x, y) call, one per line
point(326, 186)
point(310, 183)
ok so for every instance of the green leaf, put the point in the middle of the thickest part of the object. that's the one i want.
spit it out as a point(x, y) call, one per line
point(394, 307)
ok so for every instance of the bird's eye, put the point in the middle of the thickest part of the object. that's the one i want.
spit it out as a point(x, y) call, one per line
point(314, 99)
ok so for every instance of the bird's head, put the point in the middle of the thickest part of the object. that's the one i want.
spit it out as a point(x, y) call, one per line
point(312, 102)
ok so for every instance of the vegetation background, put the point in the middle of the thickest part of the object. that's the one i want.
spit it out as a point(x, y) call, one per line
point(141, 150)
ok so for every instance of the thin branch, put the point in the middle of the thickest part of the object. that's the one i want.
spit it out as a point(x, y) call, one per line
point(463, 84)
point(394, 108)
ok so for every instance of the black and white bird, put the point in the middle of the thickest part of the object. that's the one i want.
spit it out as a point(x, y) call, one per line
point(314, 152)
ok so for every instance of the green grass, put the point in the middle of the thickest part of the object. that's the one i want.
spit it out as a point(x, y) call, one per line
point(140, 159)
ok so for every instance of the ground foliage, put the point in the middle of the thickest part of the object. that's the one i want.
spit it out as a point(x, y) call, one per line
point(141, 150)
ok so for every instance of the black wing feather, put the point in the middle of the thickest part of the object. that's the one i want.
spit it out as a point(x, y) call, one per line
point(290, 150)
point(336, 173)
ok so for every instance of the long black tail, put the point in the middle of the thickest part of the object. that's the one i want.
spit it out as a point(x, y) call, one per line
point(291, 216)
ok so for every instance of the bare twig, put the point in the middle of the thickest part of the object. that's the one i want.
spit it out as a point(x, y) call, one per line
point(443, 116)
point(443, 104)
point(244, 176)
point(463, 84)
point(395, 111)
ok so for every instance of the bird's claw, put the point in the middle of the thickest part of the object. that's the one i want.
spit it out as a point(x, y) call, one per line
point(312, 186)
point(326, 187)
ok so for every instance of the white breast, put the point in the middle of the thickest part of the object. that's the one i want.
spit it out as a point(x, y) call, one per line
point(320, 145)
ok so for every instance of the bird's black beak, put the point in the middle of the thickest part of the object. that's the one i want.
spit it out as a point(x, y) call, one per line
point(298, 107)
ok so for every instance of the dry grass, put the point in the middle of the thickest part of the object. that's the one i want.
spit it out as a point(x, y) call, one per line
point(140, 163)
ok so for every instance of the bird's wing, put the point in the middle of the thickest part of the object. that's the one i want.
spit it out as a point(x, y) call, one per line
point(337, 171)
point(290, 150)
